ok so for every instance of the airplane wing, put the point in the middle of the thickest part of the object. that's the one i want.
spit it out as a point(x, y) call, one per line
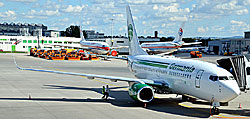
point(119, 47)
point(193, 43)
point(113, 57)
point(166, 53)
point(93, 76)
point(62, 45)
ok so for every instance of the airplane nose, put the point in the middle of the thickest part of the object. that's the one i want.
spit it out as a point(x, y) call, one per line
point(235, 92)
point(231, 91)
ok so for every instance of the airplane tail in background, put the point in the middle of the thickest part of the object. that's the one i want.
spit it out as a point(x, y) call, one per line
point(81, 34)
point(178, 38)
point(134, 46)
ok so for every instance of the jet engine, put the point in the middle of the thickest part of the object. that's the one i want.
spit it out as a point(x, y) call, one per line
point(114, 53)
point(141, 92)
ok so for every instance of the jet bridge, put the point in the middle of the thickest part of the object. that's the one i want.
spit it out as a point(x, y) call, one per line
point(239, 66)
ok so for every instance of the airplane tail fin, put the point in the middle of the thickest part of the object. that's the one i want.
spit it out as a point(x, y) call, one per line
point(134, 46)
point(81, 34)
point(178, 38)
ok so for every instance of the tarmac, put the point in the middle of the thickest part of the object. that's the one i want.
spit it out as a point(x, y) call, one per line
point(39, 95)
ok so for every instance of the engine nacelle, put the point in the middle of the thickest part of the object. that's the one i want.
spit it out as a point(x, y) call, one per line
point(114, 53)
point(141, 92)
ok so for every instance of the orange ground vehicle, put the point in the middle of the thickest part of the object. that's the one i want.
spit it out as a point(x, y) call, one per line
point(55, 55)
point(33, 51)
point(40, 53)
point(73, 55)
point(84, 56)
point(94, 57)
point(63, 52)
point(195, 54)
point(48, 53)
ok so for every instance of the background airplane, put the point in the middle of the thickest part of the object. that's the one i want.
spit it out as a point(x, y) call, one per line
point(153, 74)
point(100, 48)
point(162, 48)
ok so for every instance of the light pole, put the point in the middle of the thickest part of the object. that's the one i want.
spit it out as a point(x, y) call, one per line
point(112, 31)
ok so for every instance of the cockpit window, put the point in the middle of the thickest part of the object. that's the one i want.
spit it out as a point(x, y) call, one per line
point(231, 78)
point(213, 78)
point(216, 78)
point(223, 78)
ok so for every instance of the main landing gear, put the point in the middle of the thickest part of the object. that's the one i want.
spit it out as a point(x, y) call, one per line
point(215, 110)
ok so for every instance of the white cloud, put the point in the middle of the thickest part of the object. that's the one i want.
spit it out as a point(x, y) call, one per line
point(178, 18)
point(155, 7)
point(42, 14)
point(51, 12)
point(237, 22)
point(246, 2)
point(137, 1)
point(8, 13)
point(1, 4)
point(23, 0)
point(71, 8)
point(243, 11)
point(86, 22)
point(201, 29)
point(217, 28)
point(64, 20)
point(239, 26)
point(163, 1)
point(221, 7)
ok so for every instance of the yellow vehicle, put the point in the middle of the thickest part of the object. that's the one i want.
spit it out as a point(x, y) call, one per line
point(72, 56)
point(33, 51)
point(63, 52)
point(195, 54)
point(55, 55)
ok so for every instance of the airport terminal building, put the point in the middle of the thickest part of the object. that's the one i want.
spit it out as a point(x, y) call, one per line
point(235, 45)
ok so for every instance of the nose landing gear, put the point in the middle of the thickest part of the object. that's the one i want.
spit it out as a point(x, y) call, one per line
point(215, 110)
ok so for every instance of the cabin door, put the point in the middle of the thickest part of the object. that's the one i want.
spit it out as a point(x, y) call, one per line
point(198, 78)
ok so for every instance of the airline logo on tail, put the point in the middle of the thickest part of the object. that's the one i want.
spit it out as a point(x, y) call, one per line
point(130, 32)
point(180, 32)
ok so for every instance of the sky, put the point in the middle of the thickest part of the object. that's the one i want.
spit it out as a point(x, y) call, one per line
point(202, 18)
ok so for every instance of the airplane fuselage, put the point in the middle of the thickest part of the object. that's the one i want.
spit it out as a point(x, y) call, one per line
point(161, 47)
point(188, 77)
point(96, 47)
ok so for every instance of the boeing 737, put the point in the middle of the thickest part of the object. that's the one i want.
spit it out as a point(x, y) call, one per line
point(153, 73)
point(167, 47)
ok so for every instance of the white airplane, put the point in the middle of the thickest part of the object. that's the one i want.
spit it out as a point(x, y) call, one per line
point(186, 77)
point(100, 48)
point(162, 48)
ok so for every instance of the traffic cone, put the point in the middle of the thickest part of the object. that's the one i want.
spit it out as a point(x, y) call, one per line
point(239, 106)
point(145, 105)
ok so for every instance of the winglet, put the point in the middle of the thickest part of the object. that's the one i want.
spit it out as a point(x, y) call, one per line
point(134, 46)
